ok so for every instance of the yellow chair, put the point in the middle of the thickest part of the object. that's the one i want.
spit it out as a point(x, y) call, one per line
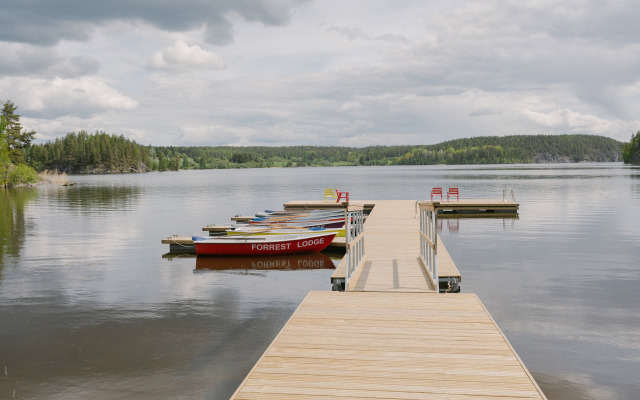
point(330, 196)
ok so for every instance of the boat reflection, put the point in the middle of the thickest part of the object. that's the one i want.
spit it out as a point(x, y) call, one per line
point(278, 262)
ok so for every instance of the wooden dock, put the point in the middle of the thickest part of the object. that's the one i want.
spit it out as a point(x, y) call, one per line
point(392, 246)
point(364, 345)
point(391, 335)
point(464, 208)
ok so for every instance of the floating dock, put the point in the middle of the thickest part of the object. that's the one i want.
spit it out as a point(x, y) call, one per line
point(391, 335)
point(464, 208)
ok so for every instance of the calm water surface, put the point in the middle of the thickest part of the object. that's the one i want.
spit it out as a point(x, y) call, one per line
point(89, 307)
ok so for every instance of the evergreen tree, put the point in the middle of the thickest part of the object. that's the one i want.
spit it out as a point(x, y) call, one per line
point(631, 150)
point(16, 138)
point(4, 152)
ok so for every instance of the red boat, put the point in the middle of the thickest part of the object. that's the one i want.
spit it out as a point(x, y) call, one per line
point(263, 245)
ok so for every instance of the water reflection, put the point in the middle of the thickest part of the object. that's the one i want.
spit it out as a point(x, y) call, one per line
point(89, 309)
point(281, 262)
point(452, 225)
point(96, 198)
point(13, 224)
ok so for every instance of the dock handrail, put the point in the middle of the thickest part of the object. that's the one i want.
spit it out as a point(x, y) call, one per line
point(354, 232)
point(504, 194)
point(429, 240)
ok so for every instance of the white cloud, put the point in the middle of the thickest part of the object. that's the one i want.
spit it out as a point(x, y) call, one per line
point(216, 134)
point(82, 97)
point(298, 72)
point(570, 121)
point(182, 56)
point(26, 60)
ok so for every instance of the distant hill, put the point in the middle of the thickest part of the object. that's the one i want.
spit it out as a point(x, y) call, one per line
point(518, 149)
point(103, 153)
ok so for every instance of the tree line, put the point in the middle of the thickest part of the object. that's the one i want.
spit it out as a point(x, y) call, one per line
point(517, 149)
point(90, 153)
point(100, 152)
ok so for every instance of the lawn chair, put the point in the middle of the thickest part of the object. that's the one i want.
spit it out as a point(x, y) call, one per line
point(435, 192)
point(342, 195)
point(453, 192)
point(329, 195)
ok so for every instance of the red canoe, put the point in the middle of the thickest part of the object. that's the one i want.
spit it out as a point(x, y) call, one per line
point(263, 245)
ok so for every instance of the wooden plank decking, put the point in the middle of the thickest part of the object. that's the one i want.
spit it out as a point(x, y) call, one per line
point(392, 246)
point(391, 335)
point(363, 345)
point(465, 208)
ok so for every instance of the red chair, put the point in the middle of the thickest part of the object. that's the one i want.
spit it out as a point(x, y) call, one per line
point(436, 192)
point(342, 195)
point(453, 192)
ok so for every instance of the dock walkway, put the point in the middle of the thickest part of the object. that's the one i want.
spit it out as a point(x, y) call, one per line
point(392, 247)
point(390, 336)
point(363, 345)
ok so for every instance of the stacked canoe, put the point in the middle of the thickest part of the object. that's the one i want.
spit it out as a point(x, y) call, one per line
point(274, 233)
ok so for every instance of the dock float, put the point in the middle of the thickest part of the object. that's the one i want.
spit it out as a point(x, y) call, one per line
point(391, 335)
point(464, 208)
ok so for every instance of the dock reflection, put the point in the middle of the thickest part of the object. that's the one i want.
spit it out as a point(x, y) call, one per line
point(281, 262)
point(452, 225)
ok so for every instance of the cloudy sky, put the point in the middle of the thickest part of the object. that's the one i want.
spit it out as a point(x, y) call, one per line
point(321, 72)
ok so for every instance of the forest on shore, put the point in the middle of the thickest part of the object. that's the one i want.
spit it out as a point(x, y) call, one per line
point(89, 153)
point(631, 150)
point(100, 152)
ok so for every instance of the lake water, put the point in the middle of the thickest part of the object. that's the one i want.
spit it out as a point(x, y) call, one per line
point(90, 308)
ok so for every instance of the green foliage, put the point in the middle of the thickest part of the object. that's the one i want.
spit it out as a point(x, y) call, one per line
point(631, 150)
point(243, 157)
point(100, 152)
point(82, 152)
point(17, 139)
point(289, 156)
point(516, 149)
point(4, 152)
point(10, 174)
point(21, 174)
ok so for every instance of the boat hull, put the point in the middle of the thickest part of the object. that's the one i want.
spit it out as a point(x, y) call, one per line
point(302, 225)
point(258, 221)
point(269, 245)
point(340, 232)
